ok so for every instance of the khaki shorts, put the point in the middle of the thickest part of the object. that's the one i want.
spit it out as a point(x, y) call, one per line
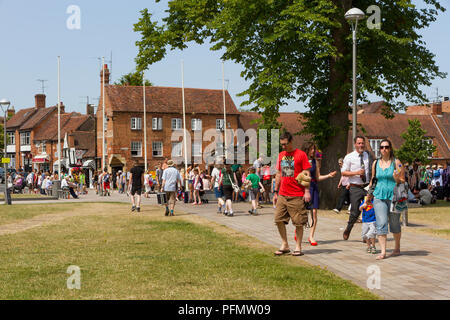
point(171, 197)
point(291, 208)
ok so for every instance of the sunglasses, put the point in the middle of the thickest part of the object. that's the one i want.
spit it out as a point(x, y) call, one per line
point(284, 144)
point(384, 147)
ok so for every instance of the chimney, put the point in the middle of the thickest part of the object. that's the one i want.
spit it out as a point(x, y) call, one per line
point(11, 112)
point(106, 75)
point(90, 109)
point(62, 108)
point(39, 101)
point(436, 109)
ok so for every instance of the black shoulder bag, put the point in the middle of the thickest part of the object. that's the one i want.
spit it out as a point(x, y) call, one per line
point(374, 180)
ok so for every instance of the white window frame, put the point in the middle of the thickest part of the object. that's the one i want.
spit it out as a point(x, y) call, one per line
point(136, 123)
point(220, 124)
point(176, 124)
point(156, 124)
point(196, 124)
point(136, 146)
point(12, 161)
point(10, 138)
point(25, 138)
point(375, 146)
point(155, 145)
point(177, 146)
point(196, 148)
point(44, 147)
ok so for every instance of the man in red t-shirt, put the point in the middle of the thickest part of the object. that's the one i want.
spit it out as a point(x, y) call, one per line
point(289, 195)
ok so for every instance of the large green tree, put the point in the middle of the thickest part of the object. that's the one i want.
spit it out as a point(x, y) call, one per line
point(132, 79)
point(416, 145)
point(301, 49)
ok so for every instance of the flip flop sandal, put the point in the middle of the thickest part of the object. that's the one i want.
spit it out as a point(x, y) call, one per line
point(297, 253)
point(282, 252)
point(374, 250)
point(369, 250)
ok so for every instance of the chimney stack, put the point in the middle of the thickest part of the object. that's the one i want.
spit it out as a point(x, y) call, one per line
point(11, 112)
point(106, 75)
point(436, 109)
point(39, 101)
point(90, 109)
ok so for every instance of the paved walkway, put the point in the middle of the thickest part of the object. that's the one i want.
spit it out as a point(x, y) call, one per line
point(421, 272)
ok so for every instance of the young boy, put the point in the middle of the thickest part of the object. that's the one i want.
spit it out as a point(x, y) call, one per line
point(253, 182)
point(369, 229)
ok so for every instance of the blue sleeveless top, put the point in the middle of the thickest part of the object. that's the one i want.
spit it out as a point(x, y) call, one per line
point(386, 182)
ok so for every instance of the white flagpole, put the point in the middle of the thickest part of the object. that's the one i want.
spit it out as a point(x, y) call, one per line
point(59, 121)
point(103, 114)
point(224, 112)
point(184, 124)
point(145, 123)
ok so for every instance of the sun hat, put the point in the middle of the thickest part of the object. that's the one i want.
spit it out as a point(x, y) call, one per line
point(170, 163)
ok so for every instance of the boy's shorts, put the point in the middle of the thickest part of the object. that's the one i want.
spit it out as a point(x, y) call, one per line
point(369, 230)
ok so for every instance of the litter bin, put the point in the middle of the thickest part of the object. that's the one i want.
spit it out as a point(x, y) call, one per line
point(56, 186)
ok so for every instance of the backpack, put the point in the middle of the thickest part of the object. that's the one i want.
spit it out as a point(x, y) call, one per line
point(106, 178)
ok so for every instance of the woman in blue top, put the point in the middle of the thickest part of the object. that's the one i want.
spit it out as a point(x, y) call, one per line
point(389, 172)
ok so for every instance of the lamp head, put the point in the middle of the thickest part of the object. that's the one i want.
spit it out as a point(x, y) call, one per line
point(5, 102)
point(354, 14)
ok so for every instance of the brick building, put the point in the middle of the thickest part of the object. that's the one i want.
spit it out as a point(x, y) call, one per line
point(124, 134)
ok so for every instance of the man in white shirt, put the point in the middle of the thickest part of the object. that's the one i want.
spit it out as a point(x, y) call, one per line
point(357, 167)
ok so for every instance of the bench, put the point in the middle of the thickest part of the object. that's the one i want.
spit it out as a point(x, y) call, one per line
point(63, 194)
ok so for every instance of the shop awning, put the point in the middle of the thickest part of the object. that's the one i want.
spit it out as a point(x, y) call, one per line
point(89, 164)
point(41, 158)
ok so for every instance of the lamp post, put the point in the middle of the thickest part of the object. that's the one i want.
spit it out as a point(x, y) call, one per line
point(353, 16)
point(5, 103)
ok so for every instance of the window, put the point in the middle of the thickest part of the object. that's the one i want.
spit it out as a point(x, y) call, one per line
point(197, 148)
point(12, 163)
point(375, 145)
point(219, 124)
point(196, 124)
point(136, 123)
point(136, 149)
point(177, 148)
point(24, 138)
point(44, 147)
point(176, 124)
point(10, 138)
point(157, 123)
point(157, 149)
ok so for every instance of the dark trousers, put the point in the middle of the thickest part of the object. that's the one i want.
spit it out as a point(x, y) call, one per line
point(74, 195)
point(344, 197)
point(356, 197)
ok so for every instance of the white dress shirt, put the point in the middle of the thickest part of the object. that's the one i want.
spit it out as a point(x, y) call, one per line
point(352, 162)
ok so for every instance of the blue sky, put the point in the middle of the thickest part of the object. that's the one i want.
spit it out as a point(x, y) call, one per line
point(34, 33)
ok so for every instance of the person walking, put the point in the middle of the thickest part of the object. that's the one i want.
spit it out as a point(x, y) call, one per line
point(135, 184)
point(197, 184)
point(254, 184)
point(291, 193)
point(357, 167)
point(171, 183)
point(388, 172)
point(258, 165)
point(311, 151)
point(227, 179)
point(369, 229)
point(106, 179)
point(343, 186)
point(147, 184)
point(216, 174)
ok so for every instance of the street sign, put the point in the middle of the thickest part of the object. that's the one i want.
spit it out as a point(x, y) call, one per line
point(6, 160)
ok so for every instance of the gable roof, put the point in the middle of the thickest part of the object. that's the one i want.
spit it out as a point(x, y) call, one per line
point(37, 117)
point(20, 117)
point(69, 123)
point(167, 100)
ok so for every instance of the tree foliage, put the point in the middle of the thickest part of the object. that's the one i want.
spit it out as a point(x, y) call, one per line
point(132, 79)
point(416, 145)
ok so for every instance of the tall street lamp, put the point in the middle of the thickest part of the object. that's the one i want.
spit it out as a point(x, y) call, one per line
point(353, 16)
point(5, 103)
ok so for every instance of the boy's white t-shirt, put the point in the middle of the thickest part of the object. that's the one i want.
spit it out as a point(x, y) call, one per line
point(215, 175)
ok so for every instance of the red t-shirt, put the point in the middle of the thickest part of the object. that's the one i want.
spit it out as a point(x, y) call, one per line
point(290, 164)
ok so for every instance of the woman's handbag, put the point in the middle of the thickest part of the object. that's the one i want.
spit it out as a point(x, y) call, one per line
point(235, 187)
point(374, 180)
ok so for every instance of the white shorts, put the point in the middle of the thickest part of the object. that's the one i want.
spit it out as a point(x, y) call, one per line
point(369, 230)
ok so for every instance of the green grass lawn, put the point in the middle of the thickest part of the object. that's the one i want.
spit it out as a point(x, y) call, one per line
point(155, 257)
